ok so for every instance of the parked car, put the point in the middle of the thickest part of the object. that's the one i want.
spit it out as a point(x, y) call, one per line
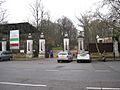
point(5, 55)
point(65, 56)
point(83, 56)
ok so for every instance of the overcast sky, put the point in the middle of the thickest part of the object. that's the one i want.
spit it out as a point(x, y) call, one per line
point(19, 10)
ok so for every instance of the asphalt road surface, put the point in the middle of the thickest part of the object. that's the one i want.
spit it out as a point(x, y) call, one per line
point(50, 75)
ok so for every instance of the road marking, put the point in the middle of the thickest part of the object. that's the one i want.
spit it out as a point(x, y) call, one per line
point(77, 70)
point(21, 84)
point(110, 88)
point(99, 88)
point(63, 70)
point(52, 70)
point(102, 70)
point(93, 88)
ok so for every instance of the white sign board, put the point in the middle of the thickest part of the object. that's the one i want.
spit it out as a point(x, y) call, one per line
point(14, 39)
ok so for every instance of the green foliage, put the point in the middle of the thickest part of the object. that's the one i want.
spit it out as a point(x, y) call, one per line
point(57, 48)
point(54, 32)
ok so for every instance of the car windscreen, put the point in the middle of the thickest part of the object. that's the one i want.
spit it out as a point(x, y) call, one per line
point(63, 53)
point(7, 52)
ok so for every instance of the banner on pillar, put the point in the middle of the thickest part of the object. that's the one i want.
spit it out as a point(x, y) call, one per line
point(14, 39)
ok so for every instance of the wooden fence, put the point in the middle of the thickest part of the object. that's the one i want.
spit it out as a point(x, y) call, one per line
point(107, 47)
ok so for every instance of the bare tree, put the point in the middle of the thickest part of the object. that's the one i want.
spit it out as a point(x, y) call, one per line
point(93, 26)
point(66, 26)
point(114, 7)
point(84, 22)
point(3, 14)
point(113, 15)
point(38, 13)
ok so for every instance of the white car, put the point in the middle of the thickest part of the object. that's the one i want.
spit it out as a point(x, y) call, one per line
point(64, 56)
point(83, 56)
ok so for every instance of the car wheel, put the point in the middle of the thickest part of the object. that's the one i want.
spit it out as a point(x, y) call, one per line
point(10, 59)
point(78, 61)
point(68, 61)
point(58, 61)
point(90, 61)
point(0, 59)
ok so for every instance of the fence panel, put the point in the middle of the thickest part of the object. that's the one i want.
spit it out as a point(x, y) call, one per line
point(107, 47)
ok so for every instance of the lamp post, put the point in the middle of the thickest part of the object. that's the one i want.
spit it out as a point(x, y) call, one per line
point(114, 21)
point(115, 42)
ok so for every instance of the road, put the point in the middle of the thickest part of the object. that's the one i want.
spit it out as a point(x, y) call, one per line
point(50, 75)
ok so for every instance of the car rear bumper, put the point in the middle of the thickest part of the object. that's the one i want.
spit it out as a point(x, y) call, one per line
point(83, 59)
point(63, 59)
